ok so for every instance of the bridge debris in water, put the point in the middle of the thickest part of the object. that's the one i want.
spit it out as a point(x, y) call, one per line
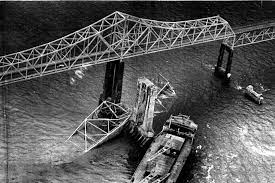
point(151, 100)
point(109, 119)
point(168, 152)
point(104, 123)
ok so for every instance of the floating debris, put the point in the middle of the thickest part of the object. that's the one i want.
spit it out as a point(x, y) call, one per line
point(208, 172)
point(152, 98)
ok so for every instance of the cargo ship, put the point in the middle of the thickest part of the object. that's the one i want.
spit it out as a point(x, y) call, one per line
point(167, 154)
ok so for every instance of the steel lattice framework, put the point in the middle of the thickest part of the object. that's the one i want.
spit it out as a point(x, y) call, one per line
point(101, 125)
point(117, 36)
point(251, 34)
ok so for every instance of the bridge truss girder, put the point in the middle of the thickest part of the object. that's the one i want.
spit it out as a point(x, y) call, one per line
point(251, 36)
point(101, 125)
point(115, 37)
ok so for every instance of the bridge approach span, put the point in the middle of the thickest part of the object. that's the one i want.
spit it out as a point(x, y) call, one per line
point(115, 37)
point(250, 34)
point(119, 36)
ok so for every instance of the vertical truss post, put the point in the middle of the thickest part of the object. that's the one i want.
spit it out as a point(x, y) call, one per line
point(85, 138)
point(112, 88)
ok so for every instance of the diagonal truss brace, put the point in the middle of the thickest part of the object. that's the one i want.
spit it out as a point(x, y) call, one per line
point(115, 37)
point(251, 35)
point(104, 123)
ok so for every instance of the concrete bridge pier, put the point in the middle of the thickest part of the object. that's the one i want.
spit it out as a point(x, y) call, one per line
point(219, 70)
point(112, 87)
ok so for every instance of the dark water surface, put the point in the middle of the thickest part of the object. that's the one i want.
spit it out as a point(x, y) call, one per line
point(235, 141)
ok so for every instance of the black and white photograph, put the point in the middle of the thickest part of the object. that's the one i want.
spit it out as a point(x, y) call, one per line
point(137, 91)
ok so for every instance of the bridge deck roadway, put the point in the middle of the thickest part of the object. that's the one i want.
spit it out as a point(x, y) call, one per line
point(252, 27)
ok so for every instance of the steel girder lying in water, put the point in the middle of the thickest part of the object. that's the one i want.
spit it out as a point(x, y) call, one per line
point(117, 36)
point(104, 123)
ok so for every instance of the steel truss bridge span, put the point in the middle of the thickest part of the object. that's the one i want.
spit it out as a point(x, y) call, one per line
point(119, 36)
point(115, 37)
point(252, 34)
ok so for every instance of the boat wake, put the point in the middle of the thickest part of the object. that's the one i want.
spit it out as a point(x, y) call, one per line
point(237, 86)
point(208, 174)
point(261, 87)
point(256, 147)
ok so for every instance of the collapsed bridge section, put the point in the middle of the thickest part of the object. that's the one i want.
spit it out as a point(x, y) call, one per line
point(101, 125)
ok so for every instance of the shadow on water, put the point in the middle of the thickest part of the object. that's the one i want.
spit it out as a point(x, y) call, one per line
point(111, 153)
point(135, 155)
point(46, 172)
point(192, 166)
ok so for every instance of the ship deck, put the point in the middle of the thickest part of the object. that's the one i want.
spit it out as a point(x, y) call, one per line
point(156, 165)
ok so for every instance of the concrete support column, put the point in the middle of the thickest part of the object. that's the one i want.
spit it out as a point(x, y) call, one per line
point(229, 62)
point(220, 58)
point(219, 70)
point(112, 87)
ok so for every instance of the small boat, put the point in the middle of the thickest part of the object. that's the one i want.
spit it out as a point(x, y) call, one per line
point(250, 93)
point(168, 152)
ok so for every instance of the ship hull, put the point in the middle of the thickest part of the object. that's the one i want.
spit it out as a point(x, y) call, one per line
point(174, 170)
point(167, 154)
point(252, 97)
point(180, 161)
